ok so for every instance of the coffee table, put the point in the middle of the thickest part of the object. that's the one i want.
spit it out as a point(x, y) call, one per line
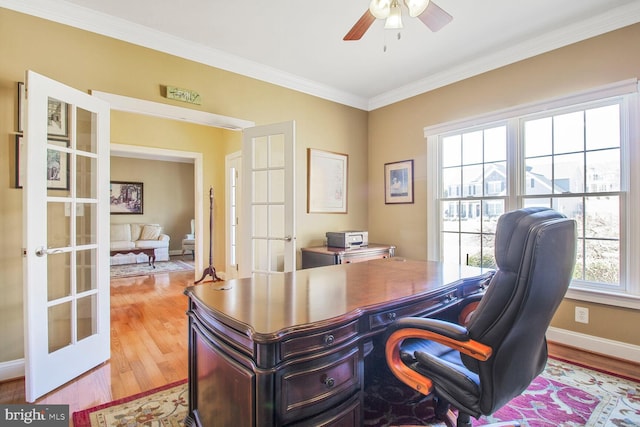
point(150, 252)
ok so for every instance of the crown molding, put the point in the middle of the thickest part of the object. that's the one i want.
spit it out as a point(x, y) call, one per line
point(597, 25)
point(100, 23)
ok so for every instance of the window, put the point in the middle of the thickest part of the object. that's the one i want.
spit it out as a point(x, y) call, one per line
point(573, 155)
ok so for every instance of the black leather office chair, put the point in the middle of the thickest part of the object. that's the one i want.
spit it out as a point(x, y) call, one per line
point(480, 367)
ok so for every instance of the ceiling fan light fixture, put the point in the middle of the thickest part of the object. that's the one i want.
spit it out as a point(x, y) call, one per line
point(416, 7)
point(380, 8)
point(394, 20)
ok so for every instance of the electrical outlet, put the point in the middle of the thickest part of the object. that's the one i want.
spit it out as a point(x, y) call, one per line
point(582, 315)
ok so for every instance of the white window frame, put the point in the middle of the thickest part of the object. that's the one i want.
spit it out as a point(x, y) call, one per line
point(630, 146)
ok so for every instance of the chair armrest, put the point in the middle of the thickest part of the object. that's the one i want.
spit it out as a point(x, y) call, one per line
point(446, 333)
point(189, 237)
point(164, 237)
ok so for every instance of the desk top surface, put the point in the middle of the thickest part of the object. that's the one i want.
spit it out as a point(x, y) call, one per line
point(272, 304)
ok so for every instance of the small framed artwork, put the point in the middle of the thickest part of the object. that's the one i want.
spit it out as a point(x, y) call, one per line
point(326, 181)
point(126, 198)
point(398, 182)
point(57, 165)
point(57, 118)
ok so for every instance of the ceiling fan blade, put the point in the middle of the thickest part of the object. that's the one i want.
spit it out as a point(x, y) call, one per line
point(435, 17)
point(360, 27)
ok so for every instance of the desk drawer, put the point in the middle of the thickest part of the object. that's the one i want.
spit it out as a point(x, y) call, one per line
point(318, 342)
point(421, 308)
point(313, 387)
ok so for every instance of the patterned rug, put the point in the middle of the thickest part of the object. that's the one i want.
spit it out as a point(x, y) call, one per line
point(144, 269)
point(564, 395)
point(165, 406)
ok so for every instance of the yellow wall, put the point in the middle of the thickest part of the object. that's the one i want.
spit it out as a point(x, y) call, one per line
point(168, 195)
point(396, 133)
point(88, 61)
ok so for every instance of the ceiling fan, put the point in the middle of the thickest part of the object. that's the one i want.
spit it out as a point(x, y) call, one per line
point(432, 15)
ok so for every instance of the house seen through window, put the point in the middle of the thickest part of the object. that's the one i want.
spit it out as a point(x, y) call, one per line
point(574, 159)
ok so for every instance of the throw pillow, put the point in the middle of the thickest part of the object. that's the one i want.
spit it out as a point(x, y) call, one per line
point(150, 232)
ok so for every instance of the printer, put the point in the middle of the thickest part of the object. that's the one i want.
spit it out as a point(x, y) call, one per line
point(347, 239)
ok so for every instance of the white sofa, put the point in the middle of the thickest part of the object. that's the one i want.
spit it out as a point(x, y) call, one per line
point(134, 235)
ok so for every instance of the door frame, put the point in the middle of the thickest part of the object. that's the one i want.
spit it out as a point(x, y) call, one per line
point(152, 153)
point(232, 158)
point(181, 114)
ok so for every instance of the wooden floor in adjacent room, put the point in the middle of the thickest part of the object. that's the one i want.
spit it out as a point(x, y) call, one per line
point(149, 346)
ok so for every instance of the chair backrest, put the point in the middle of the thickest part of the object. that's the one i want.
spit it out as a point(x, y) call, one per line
point(193, 226)
point(535, 253)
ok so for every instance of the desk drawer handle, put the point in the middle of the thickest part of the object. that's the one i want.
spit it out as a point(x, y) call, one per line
point(328, 381)
point(329, 339)
point(391, 316)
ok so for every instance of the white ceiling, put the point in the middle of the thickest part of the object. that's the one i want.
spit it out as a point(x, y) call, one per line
point(298, 43)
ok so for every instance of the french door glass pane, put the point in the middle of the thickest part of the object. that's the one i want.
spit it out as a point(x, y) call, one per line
point(59, 316)
point(86, 312)
point(58, 275)
point(58, 224)
point(85, 271)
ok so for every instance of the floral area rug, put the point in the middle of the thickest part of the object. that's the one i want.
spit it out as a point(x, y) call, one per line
point(564, 395)
point(162, 407)
point(144, 269)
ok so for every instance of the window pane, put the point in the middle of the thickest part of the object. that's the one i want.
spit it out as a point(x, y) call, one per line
point(603, 127)
point(569, 173)
point(451, 151)
point(495, 179)
point(572, 207)
point(603, 171)
point(538, 176)
point(568, 133)
point(472, 181)
point(472, 148)
point(451, 182)
point(470, 216)
point(451, 248)
point(450, 221)
point(537, 137)
point(602, 217)
point(602, 261)
point(495, 144)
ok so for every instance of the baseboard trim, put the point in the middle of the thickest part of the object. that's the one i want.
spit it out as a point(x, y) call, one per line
point(11, 369)
point(593, 344)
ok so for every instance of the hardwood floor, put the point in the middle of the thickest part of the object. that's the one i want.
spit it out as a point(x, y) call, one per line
point(149, 346)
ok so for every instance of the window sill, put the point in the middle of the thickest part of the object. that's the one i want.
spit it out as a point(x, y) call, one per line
point(601, 297)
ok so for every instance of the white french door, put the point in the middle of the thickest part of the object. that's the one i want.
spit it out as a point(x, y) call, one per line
point(233, 168)
point(66, 223)
point(267, 224)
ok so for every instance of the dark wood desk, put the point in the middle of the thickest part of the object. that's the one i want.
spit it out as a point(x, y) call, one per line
point(289, 349)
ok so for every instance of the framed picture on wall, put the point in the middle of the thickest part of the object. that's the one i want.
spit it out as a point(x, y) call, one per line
point(398, 182)
point(57, 165)
point(126, 198)
point(57, 118)
point(326, 181)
